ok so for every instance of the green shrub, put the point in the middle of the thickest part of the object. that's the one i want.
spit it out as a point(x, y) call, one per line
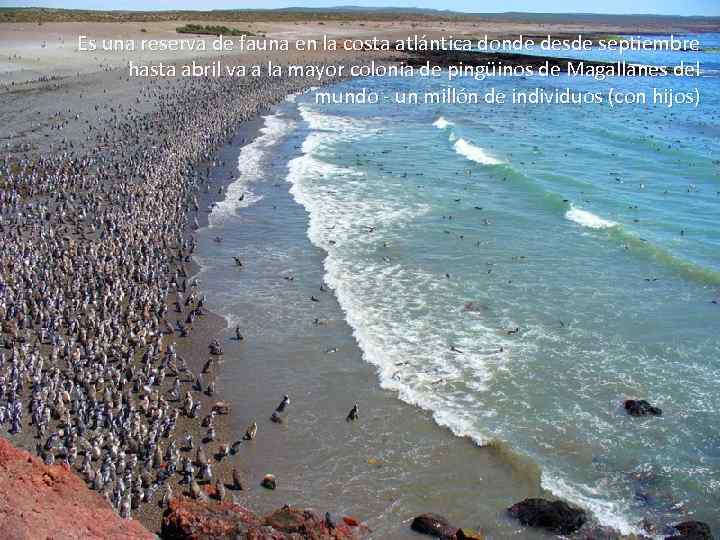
point(214, 30)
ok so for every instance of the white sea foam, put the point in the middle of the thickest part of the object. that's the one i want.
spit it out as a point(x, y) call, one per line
point(475, 153)
point(373, 293)
point(345, 125)
point(292, 98)
point(608, 513)
point(442, 123)
point(588, 219)
point(251, 161)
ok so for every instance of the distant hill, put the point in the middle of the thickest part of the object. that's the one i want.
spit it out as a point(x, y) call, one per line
point(343, 13)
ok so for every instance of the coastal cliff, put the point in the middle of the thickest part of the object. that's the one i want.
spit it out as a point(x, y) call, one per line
point(50, 501)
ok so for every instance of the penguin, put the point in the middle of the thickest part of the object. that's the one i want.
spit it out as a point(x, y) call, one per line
point(200, 457)
point(353, 414)
point(251, 432)
point(236, 481)
point(125, 509)
point(167, 497)
point(284, 403)
point(195, 491)
point(329, 522)
point(189, 442)
point(220, 490)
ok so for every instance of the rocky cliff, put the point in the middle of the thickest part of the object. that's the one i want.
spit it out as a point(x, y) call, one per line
point(38, 501)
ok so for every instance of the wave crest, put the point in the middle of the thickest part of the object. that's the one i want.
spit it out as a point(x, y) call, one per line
point(475, 153)
point(588, 219)
point(250, 166)
point(442, 123)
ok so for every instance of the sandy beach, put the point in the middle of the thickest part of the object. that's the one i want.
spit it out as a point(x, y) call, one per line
point(112, 354)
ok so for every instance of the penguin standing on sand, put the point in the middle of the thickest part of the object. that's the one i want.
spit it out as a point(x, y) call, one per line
point(353, 414)
point(167, 497)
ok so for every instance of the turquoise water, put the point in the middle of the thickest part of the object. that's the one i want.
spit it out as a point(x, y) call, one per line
point(520, 271)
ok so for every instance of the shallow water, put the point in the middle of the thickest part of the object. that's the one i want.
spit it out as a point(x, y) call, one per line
point(591, 231)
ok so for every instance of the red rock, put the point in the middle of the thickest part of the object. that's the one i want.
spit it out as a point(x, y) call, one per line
point(188, 519)
point(310, 525)
point(35, 499)
point(351, 521)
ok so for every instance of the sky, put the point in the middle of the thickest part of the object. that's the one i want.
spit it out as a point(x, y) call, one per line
point(664, 7)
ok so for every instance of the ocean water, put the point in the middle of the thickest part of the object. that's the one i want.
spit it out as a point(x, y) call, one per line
point(516, 272)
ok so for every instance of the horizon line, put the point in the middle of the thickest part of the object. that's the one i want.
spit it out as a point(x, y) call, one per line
point(351, 7)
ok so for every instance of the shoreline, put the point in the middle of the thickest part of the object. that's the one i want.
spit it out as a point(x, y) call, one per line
point(213, 325)
point(209, 327)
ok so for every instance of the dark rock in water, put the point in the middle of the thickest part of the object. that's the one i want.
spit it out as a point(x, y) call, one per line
point(555, 516)
point(691, 530)
point(434, 525)
point(640, 407)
